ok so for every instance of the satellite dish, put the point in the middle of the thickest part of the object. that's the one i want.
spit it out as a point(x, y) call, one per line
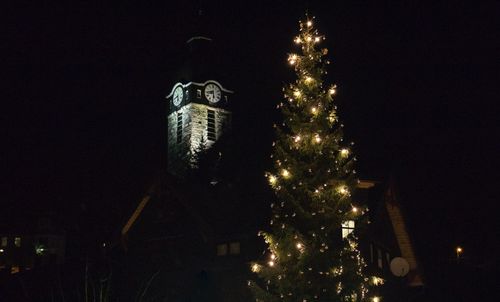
point(399, 267)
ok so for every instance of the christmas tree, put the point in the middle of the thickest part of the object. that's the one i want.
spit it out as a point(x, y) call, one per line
point(312, 245)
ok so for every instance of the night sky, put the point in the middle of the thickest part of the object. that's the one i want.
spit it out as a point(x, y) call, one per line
point(84, 114)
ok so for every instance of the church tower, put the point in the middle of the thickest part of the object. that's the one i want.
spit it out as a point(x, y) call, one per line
point(198, 112)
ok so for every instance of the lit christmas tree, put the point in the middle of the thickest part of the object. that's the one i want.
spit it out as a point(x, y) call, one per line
point(312, 247)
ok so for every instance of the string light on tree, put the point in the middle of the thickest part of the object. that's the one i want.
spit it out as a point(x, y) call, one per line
point(306, 262)
point(332, 90)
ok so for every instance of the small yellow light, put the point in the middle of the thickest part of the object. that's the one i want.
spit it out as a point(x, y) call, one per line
point(377, 281)
point(298, 40)
point(273, 256)
point(299, 245)
point(309, 23)
point(317, 138)
point(297, 139)
point(308, 39)
point(354, 209)
point(316, 39)
point(332, 91)
point(343, 190)
point(272, 179)
point(344, 152)
point(308, 80)
point(459, 250)
point(271, 263)
point(1, 250)
point(255, 268)
point(314, 109)
point(296, 93)
point(285, 173)
point(376, 299)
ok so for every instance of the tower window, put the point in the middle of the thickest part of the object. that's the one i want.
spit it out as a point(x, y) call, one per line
point(379, 258)
point(198, 93)
point(17, 241)
point(211, 125)
point(179, 127)
point(371, 252)
point(4, 241)
point(347, 228)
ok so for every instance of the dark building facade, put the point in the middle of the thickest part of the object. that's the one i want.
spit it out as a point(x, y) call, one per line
point(31, 244)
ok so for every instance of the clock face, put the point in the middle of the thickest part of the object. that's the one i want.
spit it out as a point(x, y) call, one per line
point(178, 94)
point(213, 93)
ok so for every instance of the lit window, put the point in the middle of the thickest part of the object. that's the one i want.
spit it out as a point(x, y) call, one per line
point(198, 93)
point(379, 258)
point(221, 249)
point(14, 270)
point(234, 248)
point(347, 228)
point(211, 125)
point(17, 241)
point(179, 127)
point(4, 241)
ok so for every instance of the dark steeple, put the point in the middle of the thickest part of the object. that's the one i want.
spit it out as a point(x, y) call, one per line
point(202, 60)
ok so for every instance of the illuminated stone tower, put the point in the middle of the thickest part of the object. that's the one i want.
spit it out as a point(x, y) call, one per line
point(198, 113)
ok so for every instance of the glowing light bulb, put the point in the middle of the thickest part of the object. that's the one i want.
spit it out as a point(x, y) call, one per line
point(271, 263)
point(272, 179)
point(308, 39)
point(314, 109)
point(285, 173)
point(308, 80)
point(292, 59)
point(344, 152)
point(316, 39)
point(332, 91)
point(354, 209)
point(298, 40)
point(343, 190)
point(296, 93)
point(299, 245)
point(309, 23)
point(317, 138)
point(297, 139)
point(273, 256)
point(255, 268)
point(376, 299)
point(377, 280)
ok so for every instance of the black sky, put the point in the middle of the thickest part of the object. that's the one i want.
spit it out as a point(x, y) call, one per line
point(84, 114)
